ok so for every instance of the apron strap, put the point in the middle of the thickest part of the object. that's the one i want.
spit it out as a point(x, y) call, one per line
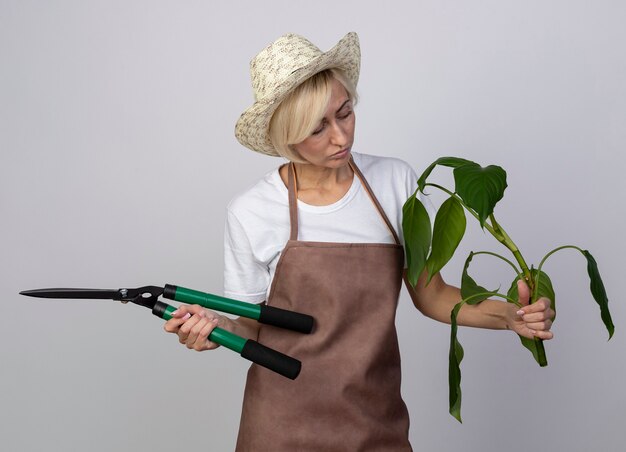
point(292, 185)
point(358, 172)
point(293, 200)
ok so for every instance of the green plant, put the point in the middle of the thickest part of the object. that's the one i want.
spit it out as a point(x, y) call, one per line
point(477, 190)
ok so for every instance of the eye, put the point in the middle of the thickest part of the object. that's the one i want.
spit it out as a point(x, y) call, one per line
point(345, 115)
point(319, 130)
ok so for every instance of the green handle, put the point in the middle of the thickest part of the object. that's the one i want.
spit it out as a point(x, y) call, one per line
point(218, 335)
point(268, 315)
point(211, 301)
point(251, 350)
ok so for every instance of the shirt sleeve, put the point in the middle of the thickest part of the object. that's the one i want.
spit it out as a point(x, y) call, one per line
point(245, 277)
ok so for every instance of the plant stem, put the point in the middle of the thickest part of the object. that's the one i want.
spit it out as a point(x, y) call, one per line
point(506, 241)
point(517, 271)
point(501, 236)
point(554, 251)
point(546, 257)
point(491, 294)
point(495, 229)
point(541, 352)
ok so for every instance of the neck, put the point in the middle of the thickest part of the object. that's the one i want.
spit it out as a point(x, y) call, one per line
point(313, 177)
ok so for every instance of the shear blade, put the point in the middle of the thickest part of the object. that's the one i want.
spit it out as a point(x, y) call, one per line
point(102, 294)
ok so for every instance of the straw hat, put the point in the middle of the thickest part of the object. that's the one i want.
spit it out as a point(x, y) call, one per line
point(281, 67)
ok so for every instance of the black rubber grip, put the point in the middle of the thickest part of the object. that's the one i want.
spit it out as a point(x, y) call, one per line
point(282, 318)
point(159, 309)
point(169, 291)
point(257, 353)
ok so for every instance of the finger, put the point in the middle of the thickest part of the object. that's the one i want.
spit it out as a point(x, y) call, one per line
point(192, 337)
point(203, 342)
point(535, 316)
point(187, 308)
point(545, 335)
point(172, 325)
point(541, 304)
point(539, 326)
point(530, 333)
point(523, 292)
point(180, 312)
point(178, 318)
point(546, 301)
point(185, 329)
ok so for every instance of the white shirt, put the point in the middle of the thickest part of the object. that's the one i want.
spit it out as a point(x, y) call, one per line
point(257, 222)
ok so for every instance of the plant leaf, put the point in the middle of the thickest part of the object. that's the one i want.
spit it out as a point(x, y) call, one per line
point(480, 188)
point(417, 236)
point(469, 287)
point(599, 293)
point(454, 366)
point(452, 162)
point(544, 290)
point(447, 234)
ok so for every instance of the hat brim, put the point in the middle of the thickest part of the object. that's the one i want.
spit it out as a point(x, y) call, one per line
point(252, 128)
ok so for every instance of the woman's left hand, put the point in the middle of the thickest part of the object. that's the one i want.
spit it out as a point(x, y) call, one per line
point(531, 320)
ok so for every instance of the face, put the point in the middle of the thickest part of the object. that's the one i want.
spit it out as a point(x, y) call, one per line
point(330, 143)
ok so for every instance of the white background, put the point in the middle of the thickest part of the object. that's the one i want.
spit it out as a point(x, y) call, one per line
point(118, 160)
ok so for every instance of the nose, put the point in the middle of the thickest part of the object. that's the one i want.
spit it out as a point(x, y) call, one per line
point(338, 135)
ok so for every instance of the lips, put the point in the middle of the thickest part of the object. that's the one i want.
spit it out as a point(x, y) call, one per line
point(340, 154)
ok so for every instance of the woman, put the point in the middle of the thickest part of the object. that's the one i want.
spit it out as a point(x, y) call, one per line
point(322, 235)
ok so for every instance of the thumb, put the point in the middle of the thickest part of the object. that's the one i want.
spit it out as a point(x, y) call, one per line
point(523, 292)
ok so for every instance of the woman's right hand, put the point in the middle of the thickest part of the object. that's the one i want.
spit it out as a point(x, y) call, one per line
point(193, 324)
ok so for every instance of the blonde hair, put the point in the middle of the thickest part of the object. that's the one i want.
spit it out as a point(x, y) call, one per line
point(300, 113)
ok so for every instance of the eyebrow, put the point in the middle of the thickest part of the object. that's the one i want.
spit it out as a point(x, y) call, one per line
point(343, 105)
point(339, 109)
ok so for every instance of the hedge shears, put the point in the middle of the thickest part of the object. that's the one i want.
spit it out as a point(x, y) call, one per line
point(147, 297)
